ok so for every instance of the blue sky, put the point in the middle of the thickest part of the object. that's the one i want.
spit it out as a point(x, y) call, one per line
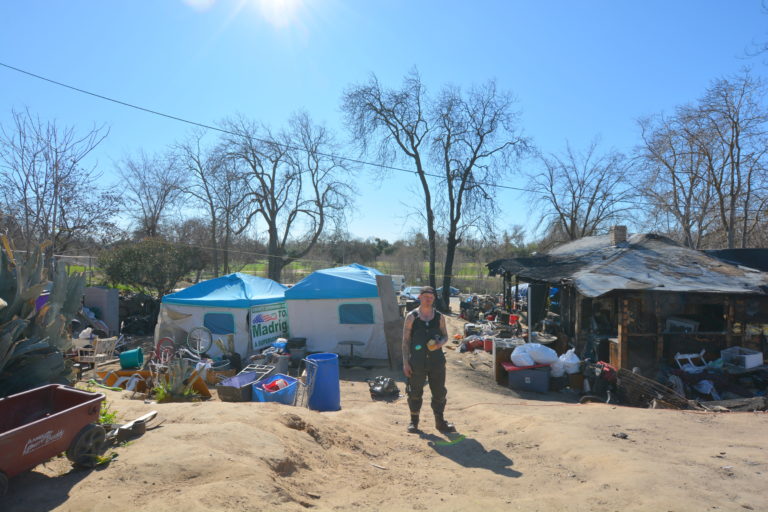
point(580, 70)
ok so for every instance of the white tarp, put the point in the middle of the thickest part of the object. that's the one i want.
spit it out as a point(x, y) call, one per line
point(317, 320)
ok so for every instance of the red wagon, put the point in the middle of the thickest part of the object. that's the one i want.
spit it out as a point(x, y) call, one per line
point(41, 423)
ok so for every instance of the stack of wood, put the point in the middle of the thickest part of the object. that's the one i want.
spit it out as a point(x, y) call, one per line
point(640, 391)
point(757, 403)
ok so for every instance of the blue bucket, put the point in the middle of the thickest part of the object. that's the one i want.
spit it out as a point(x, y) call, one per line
point(132, 358)
point(323, 382)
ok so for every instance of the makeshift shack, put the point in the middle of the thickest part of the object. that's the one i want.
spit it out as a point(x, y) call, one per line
point(250, 308)
point(336, 305)
point(640, 301)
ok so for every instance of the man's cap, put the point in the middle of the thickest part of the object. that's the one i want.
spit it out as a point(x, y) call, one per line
point(427, 289)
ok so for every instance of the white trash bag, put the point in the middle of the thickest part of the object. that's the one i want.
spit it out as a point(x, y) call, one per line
point(520, 356)
point(541, 354)
point(571, 362)
point(557, 369)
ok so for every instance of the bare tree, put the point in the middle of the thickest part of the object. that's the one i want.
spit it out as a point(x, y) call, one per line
point(296, 184)
point(582, 193)
point(475, 137)
point(395, 122)
point(458, 146)
point(47, 193)
point(674, 175)
point(733, 119)
point(153, 185)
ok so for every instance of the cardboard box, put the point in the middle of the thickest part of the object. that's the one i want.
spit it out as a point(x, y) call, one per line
point(740, 356)
point(529, 379)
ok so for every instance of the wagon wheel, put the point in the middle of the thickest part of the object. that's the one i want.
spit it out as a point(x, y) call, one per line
point(199, 340)
point(3, 484)
point(86, 445)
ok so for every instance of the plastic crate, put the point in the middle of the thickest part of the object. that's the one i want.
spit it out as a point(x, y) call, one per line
point(740, 356)
point(530, 379)
point(239, 388)
point(286, 396)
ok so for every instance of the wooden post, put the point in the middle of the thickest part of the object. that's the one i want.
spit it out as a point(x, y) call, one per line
point(517, 290)
point(623, 333)
point(729, 314)
point(393, 321)
point(507, 291)
point(577, 323)
point(659, 330)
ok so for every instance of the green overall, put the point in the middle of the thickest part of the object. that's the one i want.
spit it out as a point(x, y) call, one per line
point(426, 365)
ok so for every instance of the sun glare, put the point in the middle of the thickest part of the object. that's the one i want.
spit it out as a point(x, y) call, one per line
point(280, 13)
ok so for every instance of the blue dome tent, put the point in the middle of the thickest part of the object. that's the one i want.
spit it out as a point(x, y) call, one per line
point(250, 308)
point(339, 304)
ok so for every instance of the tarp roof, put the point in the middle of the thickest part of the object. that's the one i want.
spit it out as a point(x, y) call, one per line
point(231, 291)
point(752, 258)
point(644, 262)
point(351, 282)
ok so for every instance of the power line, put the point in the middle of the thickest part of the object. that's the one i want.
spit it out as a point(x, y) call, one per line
point(295, 148)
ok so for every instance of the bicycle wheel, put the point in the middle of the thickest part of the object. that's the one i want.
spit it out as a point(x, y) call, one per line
point(199, 340)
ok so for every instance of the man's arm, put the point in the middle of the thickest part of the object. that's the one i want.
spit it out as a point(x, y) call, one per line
point(443, 330)
point(407, 328)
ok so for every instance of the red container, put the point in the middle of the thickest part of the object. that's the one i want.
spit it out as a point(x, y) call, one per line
point(38, 424)
point(488, 345)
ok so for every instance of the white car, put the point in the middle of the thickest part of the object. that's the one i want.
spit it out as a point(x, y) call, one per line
point(411, 293)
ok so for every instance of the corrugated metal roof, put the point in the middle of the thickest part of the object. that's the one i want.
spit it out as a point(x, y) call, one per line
point(644, 262)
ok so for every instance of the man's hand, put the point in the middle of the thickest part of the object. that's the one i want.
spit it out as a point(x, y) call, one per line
point(407, 369)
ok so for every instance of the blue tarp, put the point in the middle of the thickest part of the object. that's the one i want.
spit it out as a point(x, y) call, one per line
point(351, 282)
point(231, 291)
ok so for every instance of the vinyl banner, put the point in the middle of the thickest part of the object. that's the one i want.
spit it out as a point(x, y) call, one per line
point(268, 322)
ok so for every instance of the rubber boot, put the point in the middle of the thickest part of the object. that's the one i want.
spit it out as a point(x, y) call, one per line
point(413, 426)
point(442, 425)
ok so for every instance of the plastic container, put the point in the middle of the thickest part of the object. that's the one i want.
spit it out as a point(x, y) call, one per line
point(286, 396)
point(530, 379)
point(281, 362)
point(488, 344)
point(323, 382)
point(132, 359)
point(296, 355)
point(238, 388)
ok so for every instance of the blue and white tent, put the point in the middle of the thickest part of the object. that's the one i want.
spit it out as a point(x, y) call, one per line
point(338, 304)
point(250, 308)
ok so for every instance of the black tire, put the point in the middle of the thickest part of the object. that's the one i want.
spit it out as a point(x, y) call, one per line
point(3, 484)
point(87, 445)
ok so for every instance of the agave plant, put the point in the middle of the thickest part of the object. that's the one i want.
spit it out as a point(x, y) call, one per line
point(32, 341)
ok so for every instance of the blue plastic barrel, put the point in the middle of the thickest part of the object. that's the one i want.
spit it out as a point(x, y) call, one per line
point(131, 358)
point(323, 382)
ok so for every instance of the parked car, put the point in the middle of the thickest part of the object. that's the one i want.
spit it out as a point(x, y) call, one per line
point(454, 291)
point(411, 293)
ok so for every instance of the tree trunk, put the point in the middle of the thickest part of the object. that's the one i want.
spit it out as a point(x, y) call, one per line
point(450, 253)
point(214, 250)
point(274, 259)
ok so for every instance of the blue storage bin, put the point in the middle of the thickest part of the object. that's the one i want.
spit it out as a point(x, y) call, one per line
point(530, 379)
point(286, 396)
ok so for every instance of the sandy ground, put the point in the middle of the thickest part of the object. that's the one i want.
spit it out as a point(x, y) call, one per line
point(535, 452)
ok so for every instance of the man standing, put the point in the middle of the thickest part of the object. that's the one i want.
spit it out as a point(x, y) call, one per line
point(424, 335)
